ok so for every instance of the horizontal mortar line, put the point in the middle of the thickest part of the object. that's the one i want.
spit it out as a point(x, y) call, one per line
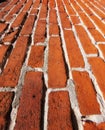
point(57, 89)
point(7, 89)
point(91, 55)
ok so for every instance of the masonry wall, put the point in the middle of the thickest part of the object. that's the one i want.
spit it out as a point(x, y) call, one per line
point(52, 65)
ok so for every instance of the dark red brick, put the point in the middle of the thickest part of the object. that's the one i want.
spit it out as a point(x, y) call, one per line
point(59, 113)
point(29, 112)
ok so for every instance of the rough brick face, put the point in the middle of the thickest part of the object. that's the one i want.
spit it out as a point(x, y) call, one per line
point(36, 58)
point(85, 93)
point(29, 113)
point(57, 79)
point(59, 113)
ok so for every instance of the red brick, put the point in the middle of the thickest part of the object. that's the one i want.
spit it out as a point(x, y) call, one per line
point(75, 19)
point(98, 69)
point(85, 40)
point(29, 112)
point(5, 109)
point(53, 16)
point(53, 29)
point(28, 25)
point(3, 26)
point(18, 20)
point(52, 4)
point(56, 67)
point(76, 6)
point(40, 31)
point(14, 11)
point(43, 12)
point(34, 11)
point(99, 23)
point(86, 21)
point(59, 113)
point(3, 51)
point(66, 23)
point(9, 37)
point(27, 6)
point(97, 35)
point(36, 4)
point(36, 58)
point(85, 93)
point(69, 8)
point(10, 75)
point(73, 50)
point(102, 48)
point(94, 126)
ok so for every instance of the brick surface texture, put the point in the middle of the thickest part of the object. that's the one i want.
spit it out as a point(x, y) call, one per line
point(52, 64)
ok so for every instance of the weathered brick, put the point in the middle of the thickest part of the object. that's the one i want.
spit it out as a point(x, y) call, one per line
point(86, 21)
point(29, 112)
point(66, 23)
point(59, 113)
point(98, 69)
point(2, 27)
point(14, 11)
point(94, 126)
point(73, 50)
point(97, 35)
point(99, 23)
point(9, 37)
point(5, 109)
point(85, 40)
point(75, 19)
point(102, 48)
point(85, 93)
point(40, 31)
point(43, 12)
point(28, 25)
point(18, 20)
point(52, 16)
point(69, 8)
point(27, 6)
point(36, 58)
point(10, 75)
point(53, 29)
point(56, 67)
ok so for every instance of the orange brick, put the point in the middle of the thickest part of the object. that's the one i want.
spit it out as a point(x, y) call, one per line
point(52, 4)
point(14, 11)
point(34, 11)
point(36, 4)
point(40, 31)
point(85, 40)
point(76, 6)
point(102, 48)
point(53, 29)
point(10, 75)
point(97, 35)
point(10, 37)
point(43, 12)
point(3, 26)
point(52, 16)
point(69, 8)
point(18, 21)
point(86, 21)
point(99, 23)
point(5, 108)
point(75, 19)
point(98, 69)
point(56, 67)
point(28, 25)
point(94, 126)
point(66, 23)
point(85, 93)
point(27, 6)
point(30, 108)
point(59, 113)
point(74, 54)
point(36, 58)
